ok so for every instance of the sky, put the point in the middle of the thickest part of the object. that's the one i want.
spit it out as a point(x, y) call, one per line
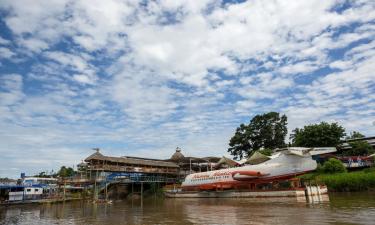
point(140, 78)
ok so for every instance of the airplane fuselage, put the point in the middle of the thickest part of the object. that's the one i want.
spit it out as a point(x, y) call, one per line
point(281, 167)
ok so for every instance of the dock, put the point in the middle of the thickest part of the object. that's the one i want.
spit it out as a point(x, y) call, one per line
point(309, 193)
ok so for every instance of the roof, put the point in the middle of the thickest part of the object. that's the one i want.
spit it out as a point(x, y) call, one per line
point(227, 161)
point(257, 158)
point(346, 144)
point(212, 159)
point(130, 160)
point(177, 156)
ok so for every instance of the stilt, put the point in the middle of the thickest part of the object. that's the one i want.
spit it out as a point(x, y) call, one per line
point(106, 191)
point(141, 194)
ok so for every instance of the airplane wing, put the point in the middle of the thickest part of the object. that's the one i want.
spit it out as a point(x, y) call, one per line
point(300, 151)
point(246, 175)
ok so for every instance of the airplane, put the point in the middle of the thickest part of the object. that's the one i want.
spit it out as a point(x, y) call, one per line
point(282, 165)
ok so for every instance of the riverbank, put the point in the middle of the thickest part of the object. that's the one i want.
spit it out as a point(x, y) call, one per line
point(344, 182)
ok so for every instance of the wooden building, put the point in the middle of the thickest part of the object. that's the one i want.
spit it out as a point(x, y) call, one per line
point(99, 162)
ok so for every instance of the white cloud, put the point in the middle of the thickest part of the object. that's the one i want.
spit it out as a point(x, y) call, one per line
point(6, 53)
point(159, 74)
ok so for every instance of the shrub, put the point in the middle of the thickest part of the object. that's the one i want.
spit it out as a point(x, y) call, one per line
point(333, 166)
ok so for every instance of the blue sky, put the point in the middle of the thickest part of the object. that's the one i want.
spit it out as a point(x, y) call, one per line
point(141, 78)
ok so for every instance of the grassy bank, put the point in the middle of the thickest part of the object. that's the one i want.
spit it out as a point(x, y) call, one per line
point(345, 182)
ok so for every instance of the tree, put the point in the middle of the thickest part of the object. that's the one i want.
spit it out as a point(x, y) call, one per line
point(318, 135)
point(355, 135)
point(358, 147)
point(66, 172)
point(264, 131)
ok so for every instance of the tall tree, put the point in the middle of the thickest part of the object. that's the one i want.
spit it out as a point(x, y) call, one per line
point(264, 131)
point(318, 135)
point(355, 135)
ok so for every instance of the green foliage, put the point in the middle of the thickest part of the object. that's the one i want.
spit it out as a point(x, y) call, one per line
point(266, 151)
point(359, 148)
point(264, 131)
point(355, 135)
point(66, 172)
point(318, 135)
point(369, 170)
point(355, 181)
point(333, 166)
point(239, 143)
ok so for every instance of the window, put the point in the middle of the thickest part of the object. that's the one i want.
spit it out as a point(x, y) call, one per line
point(28, 190)
point(36, 190)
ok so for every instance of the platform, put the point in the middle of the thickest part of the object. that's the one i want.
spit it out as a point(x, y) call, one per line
point(304, 193)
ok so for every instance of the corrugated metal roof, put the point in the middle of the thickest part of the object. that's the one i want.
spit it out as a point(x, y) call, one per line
point(131, 160)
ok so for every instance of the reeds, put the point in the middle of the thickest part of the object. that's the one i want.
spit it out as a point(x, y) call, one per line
point(354, 181)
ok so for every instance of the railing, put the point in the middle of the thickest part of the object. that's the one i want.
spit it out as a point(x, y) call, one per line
point(132, 169)
point(133, 177)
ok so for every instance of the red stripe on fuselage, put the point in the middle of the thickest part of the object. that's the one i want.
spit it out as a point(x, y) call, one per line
point(233, 183)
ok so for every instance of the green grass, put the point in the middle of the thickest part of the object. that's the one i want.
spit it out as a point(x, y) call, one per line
point(344, 182)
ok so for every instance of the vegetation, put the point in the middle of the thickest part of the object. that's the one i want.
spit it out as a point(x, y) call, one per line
point(264, 131)
point(358, 147)
point(66, 172)
point(318, 135)
point(355, 135)
point(333, 166)
point(334, 175)
point(266, 151)
point(354, 181)
point(63, 172)
point(343, 182)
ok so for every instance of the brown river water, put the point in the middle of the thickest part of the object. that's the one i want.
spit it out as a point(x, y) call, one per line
point(354, 208)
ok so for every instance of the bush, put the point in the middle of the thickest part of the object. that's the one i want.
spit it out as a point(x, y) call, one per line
point(333, 166)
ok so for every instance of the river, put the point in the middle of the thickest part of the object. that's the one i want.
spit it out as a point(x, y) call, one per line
point(343, 208)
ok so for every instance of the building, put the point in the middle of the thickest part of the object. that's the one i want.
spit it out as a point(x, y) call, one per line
point(101, 166)
point(188, 165)
point(346, 145)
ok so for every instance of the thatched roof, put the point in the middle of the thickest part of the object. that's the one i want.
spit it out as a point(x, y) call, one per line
point(130, 160)
point(177, 156)
point(212, 159)
point(257, 158)
point(227, 161)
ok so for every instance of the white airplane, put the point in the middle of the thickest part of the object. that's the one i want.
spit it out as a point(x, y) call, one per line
point(284, 164)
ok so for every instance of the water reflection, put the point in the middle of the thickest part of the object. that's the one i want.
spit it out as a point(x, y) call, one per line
point(342, 209)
